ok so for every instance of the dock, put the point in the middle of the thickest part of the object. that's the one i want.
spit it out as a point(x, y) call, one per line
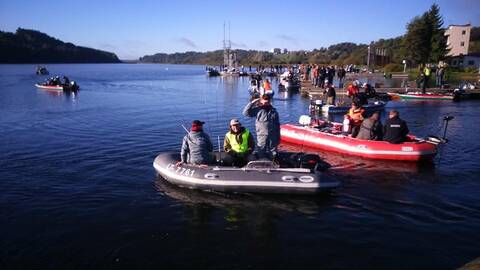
point(315, 92)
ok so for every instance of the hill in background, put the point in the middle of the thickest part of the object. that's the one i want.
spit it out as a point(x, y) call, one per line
point(30, 46)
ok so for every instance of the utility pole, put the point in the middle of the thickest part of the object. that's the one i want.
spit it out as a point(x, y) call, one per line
point(368, 58)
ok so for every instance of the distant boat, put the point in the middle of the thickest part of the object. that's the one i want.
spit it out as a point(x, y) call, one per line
point(230, 72)
point(371, 107)
point(41, 70)
point(50, 87)
point(289, 82)
point(421, 96)
point(213, 73)
point(70, 87)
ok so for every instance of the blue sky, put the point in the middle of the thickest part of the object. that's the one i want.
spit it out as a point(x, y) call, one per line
point(135, 28)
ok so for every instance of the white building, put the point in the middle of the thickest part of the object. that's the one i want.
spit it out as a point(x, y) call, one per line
point(458, 38)
point(466, 61)
point(276, 51)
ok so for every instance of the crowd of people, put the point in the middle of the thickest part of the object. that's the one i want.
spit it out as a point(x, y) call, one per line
point(428, 71)
point(56, 81)
point(239, 144)
point(394, 130)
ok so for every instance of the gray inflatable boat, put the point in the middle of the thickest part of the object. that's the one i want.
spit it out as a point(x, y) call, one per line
point(293, 173)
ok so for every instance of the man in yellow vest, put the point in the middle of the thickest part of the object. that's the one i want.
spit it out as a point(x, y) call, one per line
point(426, 78)
point(238, 144)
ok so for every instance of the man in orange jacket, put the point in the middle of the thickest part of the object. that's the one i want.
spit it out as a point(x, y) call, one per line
point(355, 115)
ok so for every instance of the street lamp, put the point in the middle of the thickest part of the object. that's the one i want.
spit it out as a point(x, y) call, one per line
point(404, 62)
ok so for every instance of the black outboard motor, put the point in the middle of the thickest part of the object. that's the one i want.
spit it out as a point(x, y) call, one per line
point(457, 93)
point(312, 162)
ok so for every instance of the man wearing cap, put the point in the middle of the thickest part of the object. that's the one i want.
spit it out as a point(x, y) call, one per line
point(267, 125)
point(238, 144)
point(196, 146)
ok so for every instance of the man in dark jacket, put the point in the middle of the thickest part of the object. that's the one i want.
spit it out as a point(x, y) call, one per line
point(267, 125)
point(196, 146)
point(395, 129)
point(238, 144)
point(371, 128)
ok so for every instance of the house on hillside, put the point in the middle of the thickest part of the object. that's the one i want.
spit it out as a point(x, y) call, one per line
point(458, 40)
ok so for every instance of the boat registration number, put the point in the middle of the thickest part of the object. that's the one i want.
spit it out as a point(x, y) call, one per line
point(407, 149)
point(180, 170)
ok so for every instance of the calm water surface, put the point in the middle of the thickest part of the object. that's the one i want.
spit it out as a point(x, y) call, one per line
point(79, 190)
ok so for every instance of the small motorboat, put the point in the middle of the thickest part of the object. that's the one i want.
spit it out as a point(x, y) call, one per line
point(329, 136)
point(41, 70)
point(422, 96)
point(72, 86)
point(369, 108)
point(50, 87)
point(213, 73)
point(292, 173)
point(289, 82)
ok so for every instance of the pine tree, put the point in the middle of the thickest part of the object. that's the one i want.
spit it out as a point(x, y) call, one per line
point(417, 40)
point(438, 40)
point(425, 41)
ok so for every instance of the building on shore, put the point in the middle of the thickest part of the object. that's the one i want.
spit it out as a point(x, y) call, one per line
point(458, 38)
point(276, 51)
point(466, 61)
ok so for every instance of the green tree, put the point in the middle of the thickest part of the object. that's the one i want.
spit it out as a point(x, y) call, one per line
point(417, 40)
point(438, 40)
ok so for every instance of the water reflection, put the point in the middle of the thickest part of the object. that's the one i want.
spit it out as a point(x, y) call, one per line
point(233, 203)
point(347, 163)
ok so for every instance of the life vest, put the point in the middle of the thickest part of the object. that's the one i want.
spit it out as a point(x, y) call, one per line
point(352, 90)
point(356, 116)
point(426, 71)
point(239, 148)
point(267, 86)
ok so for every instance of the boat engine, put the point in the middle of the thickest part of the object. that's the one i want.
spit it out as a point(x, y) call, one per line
point(312, 162)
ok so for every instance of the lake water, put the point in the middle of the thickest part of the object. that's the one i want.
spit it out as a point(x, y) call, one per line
point(79, 190)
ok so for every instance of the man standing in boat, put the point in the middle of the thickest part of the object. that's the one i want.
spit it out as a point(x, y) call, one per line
point(238, 144)
point(196, 146)
point(267, 125)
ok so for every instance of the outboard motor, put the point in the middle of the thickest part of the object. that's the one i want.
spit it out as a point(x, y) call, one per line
point(457, 93)
point(312, 162)
point(316, 106)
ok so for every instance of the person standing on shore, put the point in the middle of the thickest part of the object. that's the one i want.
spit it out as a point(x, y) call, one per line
point(330, 93)
point(341, 74)
point(267, 126)
point(439, 76)
point(426, 78)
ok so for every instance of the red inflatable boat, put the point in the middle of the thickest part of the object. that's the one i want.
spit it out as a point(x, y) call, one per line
point(332, 139)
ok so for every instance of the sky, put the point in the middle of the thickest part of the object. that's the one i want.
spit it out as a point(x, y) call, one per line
point(132, 29)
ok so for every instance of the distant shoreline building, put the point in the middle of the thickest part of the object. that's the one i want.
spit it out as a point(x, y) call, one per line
point(458, 39)
point(276, 51)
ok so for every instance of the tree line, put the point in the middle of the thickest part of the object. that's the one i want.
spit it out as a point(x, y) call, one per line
point(30, 46)
point(424, 42)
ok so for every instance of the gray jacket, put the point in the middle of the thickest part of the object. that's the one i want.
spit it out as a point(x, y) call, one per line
point(267, 123)
point(196, 148)
point(370, 130)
